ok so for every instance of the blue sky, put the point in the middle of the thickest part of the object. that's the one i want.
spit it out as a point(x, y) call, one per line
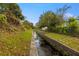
point(32, 11)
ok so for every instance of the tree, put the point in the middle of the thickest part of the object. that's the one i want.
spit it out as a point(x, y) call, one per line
point(61, 11)
point(50, 20)
point(45, 19)
point(72, 23)
point(27, 24)
point(13, 8)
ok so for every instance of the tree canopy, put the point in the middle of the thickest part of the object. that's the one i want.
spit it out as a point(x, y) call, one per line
point(13, 8)
point(55, 22)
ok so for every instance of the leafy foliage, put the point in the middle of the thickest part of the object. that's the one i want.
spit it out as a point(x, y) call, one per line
point(55, 22)
point(13, 8)
point(49, 19)
point(27, 24)
point(72, 25)
point(11, 15)
point(3, 19)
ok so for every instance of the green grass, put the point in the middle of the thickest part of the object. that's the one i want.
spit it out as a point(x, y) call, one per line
point(15, 43)
point(71, 42)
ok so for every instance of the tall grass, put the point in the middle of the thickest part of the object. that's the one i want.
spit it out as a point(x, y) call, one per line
point(15, 43)
point(72, 42)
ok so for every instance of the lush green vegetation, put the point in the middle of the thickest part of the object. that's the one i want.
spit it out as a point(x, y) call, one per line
point(11, 9)
point(71, 42)
point(12, 15)
point(55, 22)
point(65, 31)
point(15, 31)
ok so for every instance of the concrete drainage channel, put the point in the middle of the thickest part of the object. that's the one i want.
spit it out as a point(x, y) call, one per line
point(41, 48)
point(57, 47)
point(33, 51)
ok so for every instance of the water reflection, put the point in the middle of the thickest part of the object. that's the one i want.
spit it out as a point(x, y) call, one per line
point(43, 48)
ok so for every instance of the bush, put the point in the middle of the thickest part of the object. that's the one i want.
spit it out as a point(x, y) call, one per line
point(3, 19)
point(73, 25)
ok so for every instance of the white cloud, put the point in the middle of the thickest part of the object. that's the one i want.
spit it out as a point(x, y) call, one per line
point(68, 15)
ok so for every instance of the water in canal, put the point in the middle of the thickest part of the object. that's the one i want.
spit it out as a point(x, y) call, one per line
point(43, 48)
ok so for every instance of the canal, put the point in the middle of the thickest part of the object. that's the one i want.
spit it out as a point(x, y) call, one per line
point(43, 48)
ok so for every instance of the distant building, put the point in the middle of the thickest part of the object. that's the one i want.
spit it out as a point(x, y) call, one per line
point(44, 28)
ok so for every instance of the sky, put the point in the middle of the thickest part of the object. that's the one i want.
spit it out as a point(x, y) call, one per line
point(32, 11)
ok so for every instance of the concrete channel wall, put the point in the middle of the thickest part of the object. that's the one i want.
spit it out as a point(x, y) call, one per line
point(64, 50)
point(33, 49)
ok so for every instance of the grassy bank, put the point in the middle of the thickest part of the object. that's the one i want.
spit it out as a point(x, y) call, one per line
point(15, 43)
point(69, 41)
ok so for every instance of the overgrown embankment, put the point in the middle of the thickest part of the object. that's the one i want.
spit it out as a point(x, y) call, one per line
point(15, 31)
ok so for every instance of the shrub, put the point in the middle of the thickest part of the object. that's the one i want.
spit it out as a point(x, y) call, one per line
point(3, 19)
